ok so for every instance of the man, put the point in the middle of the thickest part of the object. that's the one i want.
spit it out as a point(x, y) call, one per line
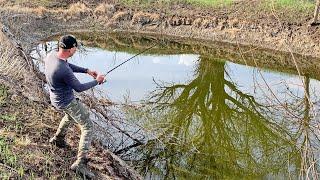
point(62, 82)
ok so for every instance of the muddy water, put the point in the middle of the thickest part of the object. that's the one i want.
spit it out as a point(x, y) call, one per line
point(208, 115)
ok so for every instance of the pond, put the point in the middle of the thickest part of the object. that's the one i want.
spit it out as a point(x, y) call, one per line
point(211, 111)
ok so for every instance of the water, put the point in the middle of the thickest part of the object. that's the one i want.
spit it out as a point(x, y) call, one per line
point(207, 114)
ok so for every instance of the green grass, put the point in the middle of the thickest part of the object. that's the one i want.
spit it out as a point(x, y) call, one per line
point(300, 5)
point(3, 94)
point(36, 3)
point(210, 3)
point(13, 123)
point(8, 157)
point(8, 117)
point(201, 3)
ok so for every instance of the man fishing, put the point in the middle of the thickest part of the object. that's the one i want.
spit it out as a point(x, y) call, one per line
point(62, 82)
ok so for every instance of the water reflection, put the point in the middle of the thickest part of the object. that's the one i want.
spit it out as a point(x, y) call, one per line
point(266, 125)
point(211, 129)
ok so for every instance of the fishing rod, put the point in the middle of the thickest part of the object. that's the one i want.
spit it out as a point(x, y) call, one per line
point(130, 59)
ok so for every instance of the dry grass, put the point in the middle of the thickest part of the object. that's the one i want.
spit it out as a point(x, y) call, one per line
point(9, 63)
point(104, 10)
point(145, 18)
point(23, 141)
point(39, 11)
point(118, 17)
point(78, 8)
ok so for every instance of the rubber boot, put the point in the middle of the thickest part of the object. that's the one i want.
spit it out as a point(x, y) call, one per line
point(58, 141)
point(80, 167)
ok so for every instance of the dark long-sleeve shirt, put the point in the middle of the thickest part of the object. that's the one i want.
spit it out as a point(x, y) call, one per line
point(62, 81)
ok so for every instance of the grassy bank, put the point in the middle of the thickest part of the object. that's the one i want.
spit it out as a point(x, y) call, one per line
point(9, 166)
point(293, 11)
point(12, 160)
point(292, 4)
point(24, 128)
point(199, 2)
point(297, 5)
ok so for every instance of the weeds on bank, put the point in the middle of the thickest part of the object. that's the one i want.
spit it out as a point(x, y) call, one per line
point(300, 5)
point(8, 117)
point(201, 3)
point(35, 3)
point(8, 160)
point(15, 144)
point(210, 3)
point(3, 95)
point(288, 10)
point(6, 153)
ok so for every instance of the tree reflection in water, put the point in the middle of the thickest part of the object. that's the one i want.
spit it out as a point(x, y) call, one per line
point(208, 128)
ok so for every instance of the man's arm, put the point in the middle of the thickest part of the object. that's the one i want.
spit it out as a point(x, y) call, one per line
point(77, 69)
point(71, 80)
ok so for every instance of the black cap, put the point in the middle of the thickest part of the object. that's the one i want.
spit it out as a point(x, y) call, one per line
point(68, 42)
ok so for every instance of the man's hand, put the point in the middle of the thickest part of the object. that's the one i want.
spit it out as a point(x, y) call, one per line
point(100, 78)
point(94, 74)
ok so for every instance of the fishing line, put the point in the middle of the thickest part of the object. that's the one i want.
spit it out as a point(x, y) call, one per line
point(130, 59)
point(136, 54)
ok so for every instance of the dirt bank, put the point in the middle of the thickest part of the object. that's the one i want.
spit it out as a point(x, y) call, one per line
point(244, 22)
